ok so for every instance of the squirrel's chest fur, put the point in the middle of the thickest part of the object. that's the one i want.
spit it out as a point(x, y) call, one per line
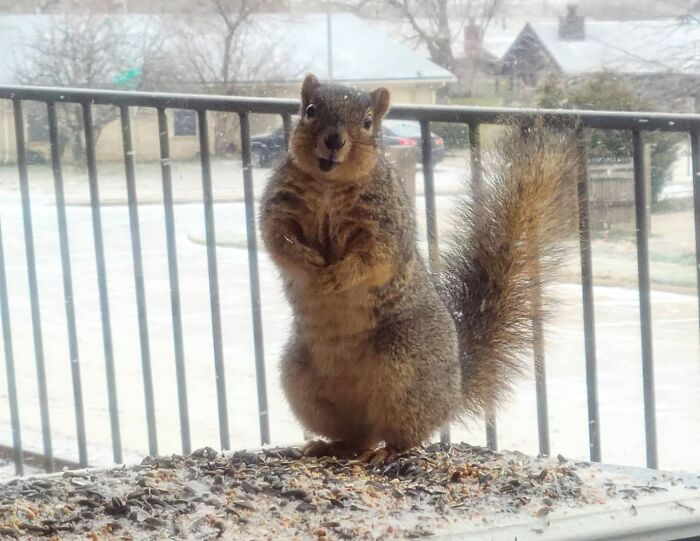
point(330, 218)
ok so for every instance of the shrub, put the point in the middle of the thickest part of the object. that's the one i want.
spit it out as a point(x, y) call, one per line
point(607, 91)
point(456, 136)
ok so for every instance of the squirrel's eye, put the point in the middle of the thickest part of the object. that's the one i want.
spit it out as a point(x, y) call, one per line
point(367, 124)
point(311, 110)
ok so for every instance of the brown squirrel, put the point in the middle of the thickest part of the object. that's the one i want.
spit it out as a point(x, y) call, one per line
point(381, 349)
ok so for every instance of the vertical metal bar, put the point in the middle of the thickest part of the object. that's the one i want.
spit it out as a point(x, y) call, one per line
point(695, 157)
point(540, 370)
point(584, 226)
point(139, 280)
point(33, 286)
point(476, 185)
point(640, 205)
point(263, 411)
point(329, 41)
point(429, 188)
point(67, 285)
point(431, 217)
point(491, 431)
point(538, 337)
point(102, 282)
point(213, 279)
point(287, 129)
point(475, 155)
point(179, 348)
point(10, 366)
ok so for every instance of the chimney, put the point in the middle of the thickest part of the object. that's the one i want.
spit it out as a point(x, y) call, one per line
point(472, 37)
point(572, 27)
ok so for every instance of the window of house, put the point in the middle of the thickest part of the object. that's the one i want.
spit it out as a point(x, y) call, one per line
point(185, 123)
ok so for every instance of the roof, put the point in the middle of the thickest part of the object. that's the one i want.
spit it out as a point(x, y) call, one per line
point(296, 44)
point(633, 47)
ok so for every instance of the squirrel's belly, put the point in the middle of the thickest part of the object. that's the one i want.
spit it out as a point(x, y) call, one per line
point(331, 318)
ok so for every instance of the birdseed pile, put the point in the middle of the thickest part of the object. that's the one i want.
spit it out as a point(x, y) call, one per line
point(280, 494)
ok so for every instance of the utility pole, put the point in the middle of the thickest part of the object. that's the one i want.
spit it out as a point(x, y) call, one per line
point(329, 38)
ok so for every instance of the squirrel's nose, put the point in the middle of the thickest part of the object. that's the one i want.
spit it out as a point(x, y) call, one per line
point(334, 141)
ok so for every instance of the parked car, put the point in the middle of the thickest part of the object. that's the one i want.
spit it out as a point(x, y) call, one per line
point(407, 133)
point(268, 148)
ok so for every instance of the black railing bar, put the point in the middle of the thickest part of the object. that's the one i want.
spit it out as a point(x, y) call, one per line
point(491, 430)
point(475, 155)
point(67, 285)
point(695, 160)
point(538, 333)
point(248, 190)
point(641, 204)
point(584, 228)
point(102, 282)
point(173, 273)
point(157, 100)
point(17, 451)
point(210, 231)
point(429, 187)
point(33, 286)
point(540, 367)
point(287, 129)
point(139, 284)
point(476, 184)
point(431, 217)
point(628, 120)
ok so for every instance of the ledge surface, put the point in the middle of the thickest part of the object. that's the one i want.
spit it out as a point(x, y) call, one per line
point(445, 492)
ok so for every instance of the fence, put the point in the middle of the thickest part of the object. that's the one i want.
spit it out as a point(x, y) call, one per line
point(473, 117)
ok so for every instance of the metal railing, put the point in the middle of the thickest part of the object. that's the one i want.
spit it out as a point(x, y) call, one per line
point(473, 117)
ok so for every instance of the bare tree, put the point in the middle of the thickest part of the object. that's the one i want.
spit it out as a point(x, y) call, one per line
point(217, 57)
point(436, 23)
point(93, 51)
point(213, 46)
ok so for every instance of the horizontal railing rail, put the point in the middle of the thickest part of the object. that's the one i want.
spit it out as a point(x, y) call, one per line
point(608, 120)
point(637, 123)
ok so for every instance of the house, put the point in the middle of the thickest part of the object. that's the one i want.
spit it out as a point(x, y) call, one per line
point(658, 54)
point(290, 46)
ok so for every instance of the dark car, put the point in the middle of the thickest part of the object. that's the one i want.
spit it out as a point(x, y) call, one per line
point(269, 148)
point(407, 133)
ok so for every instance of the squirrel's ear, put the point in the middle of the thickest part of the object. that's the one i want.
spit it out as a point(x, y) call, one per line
point(380, 99)
point(310, 82)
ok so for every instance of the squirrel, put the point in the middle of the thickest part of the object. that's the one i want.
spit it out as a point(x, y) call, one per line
point(381, 349)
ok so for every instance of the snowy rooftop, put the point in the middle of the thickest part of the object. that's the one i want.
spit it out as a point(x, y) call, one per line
point(291, 44)
point(625, 46)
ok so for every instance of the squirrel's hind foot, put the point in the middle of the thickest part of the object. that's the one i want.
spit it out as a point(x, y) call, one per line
point(378, 456)
point(338, 449)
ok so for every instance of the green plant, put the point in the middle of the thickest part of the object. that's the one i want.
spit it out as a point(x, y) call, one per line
point(607, 91)
point(456, 136)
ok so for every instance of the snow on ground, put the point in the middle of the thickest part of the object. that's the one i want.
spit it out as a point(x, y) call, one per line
point(620, 382)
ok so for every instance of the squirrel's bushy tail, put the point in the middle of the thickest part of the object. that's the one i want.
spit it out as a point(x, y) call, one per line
point(506, 241)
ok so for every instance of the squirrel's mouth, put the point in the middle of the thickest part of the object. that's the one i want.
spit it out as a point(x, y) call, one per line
point(325, 164)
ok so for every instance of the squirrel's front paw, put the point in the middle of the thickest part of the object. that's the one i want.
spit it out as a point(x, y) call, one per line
point(312, 257)
point(333, 280)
